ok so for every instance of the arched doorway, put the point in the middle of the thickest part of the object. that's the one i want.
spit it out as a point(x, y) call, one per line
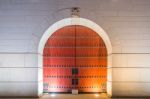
point(74, 21)
point(75, 57)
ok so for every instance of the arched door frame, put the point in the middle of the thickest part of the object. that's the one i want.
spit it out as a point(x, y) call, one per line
point(67, 22)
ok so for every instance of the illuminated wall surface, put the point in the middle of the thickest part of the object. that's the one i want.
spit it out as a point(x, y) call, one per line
point(75, 57)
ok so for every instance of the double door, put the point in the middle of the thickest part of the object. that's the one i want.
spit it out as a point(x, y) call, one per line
point(75, 57)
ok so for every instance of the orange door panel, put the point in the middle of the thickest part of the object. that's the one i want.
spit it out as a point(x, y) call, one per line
point(75, 57)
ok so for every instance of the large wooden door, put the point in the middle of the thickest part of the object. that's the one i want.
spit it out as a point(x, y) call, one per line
point(75, 57)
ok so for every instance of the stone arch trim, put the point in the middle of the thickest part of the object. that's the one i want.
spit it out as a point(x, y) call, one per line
point(75, 21)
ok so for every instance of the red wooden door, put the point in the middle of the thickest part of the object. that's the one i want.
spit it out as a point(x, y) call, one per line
point(75, 57)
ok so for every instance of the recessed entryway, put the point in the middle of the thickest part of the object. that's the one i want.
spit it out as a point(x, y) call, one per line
point(75, 57)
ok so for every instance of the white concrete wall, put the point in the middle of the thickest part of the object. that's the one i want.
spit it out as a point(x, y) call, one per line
point(18, 74)
point(23, 22)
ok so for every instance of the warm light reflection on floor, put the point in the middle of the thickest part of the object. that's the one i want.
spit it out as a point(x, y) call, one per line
point(52, 95)
point(96, 95)
point(70, 96)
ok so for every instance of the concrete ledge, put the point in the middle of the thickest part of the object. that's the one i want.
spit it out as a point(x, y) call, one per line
point(148, 97)
point(20, 96)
